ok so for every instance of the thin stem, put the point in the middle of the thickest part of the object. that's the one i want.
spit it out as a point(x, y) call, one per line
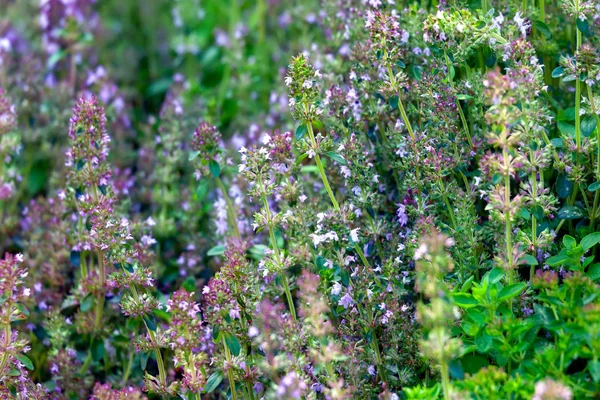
point(578, 100)
point(100, 300)
point(230, 209)
point(458, 106)
point(162, 372)
point(127, 371)
point(447, 202)
point(286, 286)
point(590, 96)
point(445, 381)
point(320, 167)
point(288, 295)
point(230, 372)
point(7, 340)
point(411, 132)
point(336, 205)
point(507, 219)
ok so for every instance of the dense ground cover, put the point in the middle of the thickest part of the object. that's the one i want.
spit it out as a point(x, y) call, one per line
point(299, 199)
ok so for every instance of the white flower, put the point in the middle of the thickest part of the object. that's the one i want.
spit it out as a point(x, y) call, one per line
point(311, 153)
point(354, 235)
point(318, 74)
point(253, 331)
point(345, 171)
point(307, 84)
point(336, 289)
point(150, 221)
point(421, 251)
point(288, 80)
point(19, 257)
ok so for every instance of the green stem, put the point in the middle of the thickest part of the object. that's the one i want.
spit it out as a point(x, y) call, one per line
point(458, 106)
point(100, 299)
point(288, 295)
point(127, 371)
point(230, 209)
point(590, 96)
point(162, 372)
point(230, 372)
point(336, 205)
point(445, 381)
point(533, 218)
point(578, 101)
point(273, 241)
point(507, 216)
point(7, 340)
point(447, 202)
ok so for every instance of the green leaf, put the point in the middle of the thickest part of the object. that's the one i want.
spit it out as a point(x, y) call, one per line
point(416, 71)
point(150, 322)
point(463, 97)
point(594, 186)
point(144, 360)
point(55, 58)
point(557, 142)
point(495, 275)
point(202, 189)
point(301, 130)
point(594, 272)
point(215, 168)
point(594, 368)
point(583, 26)
point(510, 291)
point(400, 64)
point(464, 300)
point(393, 101)
point(566, 129)
point(543, 28)
point(472, 363)
point(300, 158)
point(193, 155)
point(87, 303)
point(477, 316)
point(483, 341)
point(75, 259)
point(590, 241)
point(232, 343)
point(216, 251)
point(456, 370)
point(25, 361)
point(336, 157)
point(558, 72)
point(528, 259)
point(318, 125)
point(189, 284)
point(569, 213)
point(97, 349)
point(468, 283)
point(558, 259)
point(569, 242)
point(213, 381)
point(588, 125)
point(257, 251)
